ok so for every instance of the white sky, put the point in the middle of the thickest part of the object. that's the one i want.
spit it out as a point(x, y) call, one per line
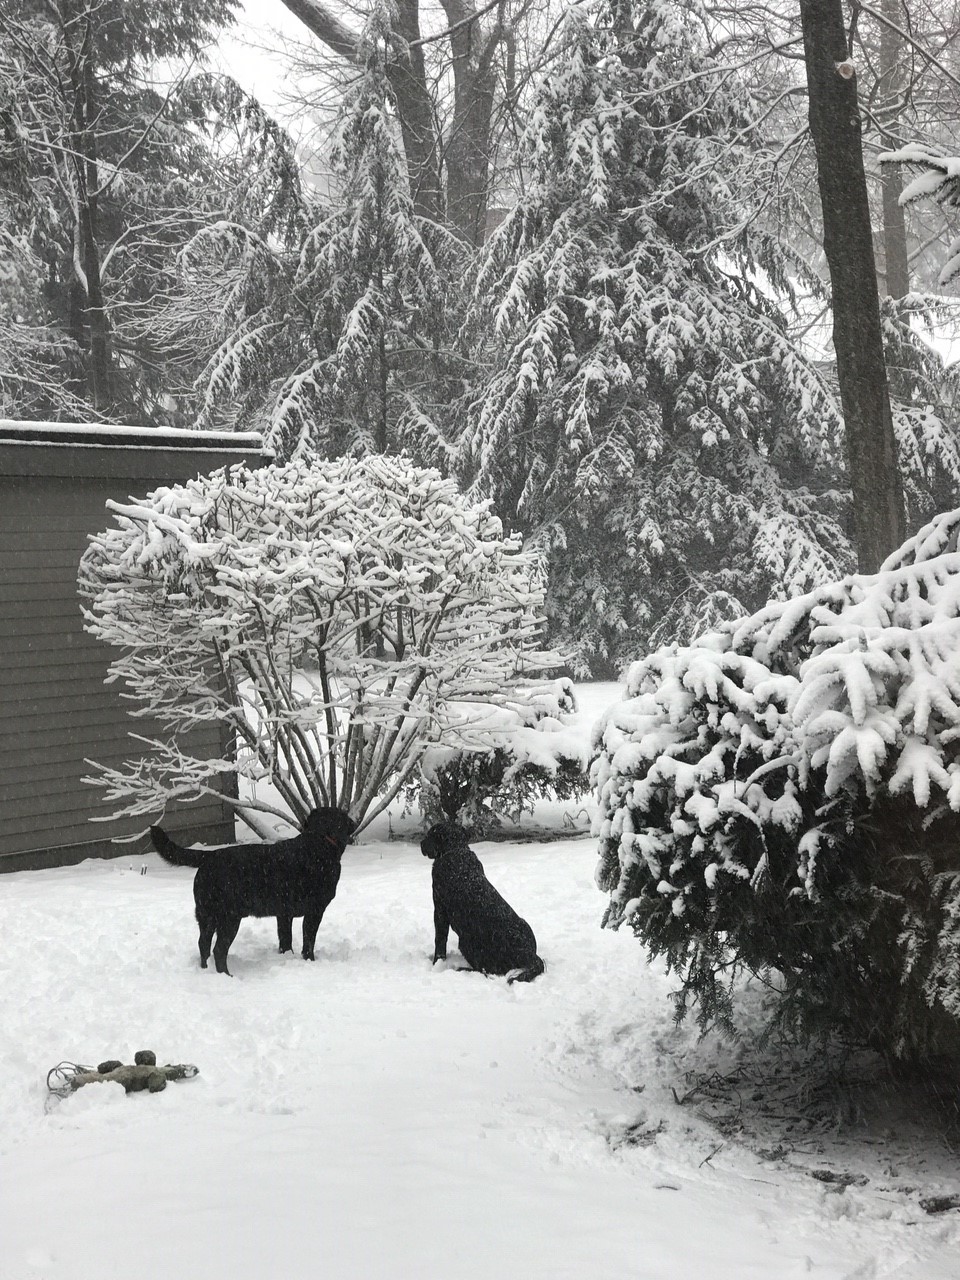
point(251, 52)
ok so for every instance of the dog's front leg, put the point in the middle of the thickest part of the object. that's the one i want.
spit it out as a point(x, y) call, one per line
point(285, 933)
point(441, 931)
point(311, 923)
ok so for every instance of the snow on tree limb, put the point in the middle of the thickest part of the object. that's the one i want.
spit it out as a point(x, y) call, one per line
point(939, 177)
point(324, 615)
point(794, 778)
point(638, 378)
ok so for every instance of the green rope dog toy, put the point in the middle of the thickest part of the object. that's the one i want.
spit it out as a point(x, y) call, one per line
point(66, 1077)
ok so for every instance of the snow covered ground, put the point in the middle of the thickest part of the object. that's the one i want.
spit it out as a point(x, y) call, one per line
point(371, 1117)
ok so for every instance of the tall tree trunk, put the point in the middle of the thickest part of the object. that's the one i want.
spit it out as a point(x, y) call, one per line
point(896, 258)
point(407, 74)
point(78, 33)
point(408, 80)
point(467, 145)
point(465, 151)
point(98, 351)
point(836, 128)
point(100, 360)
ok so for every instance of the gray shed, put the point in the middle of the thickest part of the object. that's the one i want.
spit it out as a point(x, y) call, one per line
point(55, 710)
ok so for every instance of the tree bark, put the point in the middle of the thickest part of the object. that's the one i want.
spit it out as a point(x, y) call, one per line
point(408, 80)
point(895, 255)
point(407, 74)
point(77, 27)
point(836, 129)
point(467, 145)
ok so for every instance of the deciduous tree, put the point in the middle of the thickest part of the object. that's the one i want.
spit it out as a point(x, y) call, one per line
point(328, 615)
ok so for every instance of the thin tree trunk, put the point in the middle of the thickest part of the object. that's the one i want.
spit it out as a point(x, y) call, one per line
point(836, 128)
point(80, 41)
point(895, 255)
point(896, 258)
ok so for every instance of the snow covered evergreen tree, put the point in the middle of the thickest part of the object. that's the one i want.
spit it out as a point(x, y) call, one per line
point(924, 389)
point(645, 418)
point(101, 176)
point(924, 392)
point(224, 298)
point(339, 338)
point(936, 176)
point(334, 618)
point(782, 798)
point(38, 362)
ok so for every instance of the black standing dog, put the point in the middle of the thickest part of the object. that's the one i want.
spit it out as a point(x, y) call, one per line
point(492, 937)
point(295, 877)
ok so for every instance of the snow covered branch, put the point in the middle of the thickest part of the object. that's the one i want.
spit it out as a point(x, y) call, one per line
point(326, 616)
point(784, 795)
point(939, 177)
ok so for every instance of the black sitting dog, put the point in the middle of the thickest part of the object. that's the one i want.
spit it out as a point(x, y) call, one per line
point(295, 877)
point(492, 937)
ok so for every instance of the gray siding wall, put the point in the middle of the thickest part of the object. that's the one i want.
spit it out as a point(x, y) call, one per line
point(56, 713)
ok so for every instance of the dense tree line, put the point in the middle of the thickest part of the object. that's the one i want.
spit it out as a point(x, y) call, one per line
point(565, 257)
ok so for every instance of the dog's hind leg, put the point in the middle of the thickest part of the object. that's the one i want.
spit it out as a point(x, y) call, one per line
point(208, 927)
point(285, 933)
point(528, 974)
point(226, 932)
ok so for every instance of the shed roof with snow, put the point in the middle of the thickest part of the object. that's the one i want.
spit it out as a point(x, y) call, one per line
point(55, 710)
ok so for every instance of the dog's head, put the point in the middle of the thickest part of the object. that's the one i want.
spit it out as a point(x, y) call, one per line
point(331, 826)
point(444, 837)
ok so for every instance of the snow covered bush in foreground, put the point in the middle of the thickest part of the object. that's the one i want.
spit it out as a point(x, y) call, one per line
point(782, 798)
point(334, 618)
point(503, 759)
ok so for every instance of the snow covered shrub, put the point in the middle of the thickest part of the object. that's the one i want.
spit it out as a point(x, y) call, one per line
point(507, 759)
point(782, 798)
point(333, 618)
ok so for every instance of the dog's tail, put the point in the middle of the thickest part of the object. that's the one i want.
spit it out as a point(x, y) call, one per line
point(172, 852)
point(526, 975)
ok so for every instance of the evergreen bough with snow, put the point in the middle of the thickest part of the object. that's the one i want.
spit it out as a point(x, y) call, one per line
point(937, 177)
point(327, 333)
point(645, 416)
point(782, 798)
point(503, 759)
point(334, 618)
